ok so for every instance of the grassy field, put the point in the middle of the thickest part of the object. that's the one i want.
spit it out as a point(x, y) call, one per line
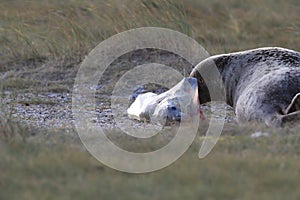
point(54, 165)
point(42, 45)
point(39, 30)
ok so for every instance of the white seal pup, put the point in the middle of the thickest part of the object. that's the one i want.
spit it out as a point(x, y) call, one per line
point(261, 84)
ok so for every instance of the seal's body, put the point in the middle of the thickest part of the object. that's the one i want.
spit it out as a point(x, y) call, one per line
point(261, 84)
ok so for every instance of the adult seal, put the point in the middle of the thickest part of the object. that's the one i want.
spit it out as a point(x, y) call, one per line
point(261, 84)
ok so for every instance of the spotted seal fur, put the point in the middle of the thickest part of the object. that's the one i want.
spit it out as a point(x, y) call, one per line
point(261, 84)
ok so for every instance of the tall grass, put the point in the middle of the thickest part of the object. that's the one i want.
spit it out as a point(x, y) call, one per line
point(69, 29)
point(10, 130)
point(40, 29)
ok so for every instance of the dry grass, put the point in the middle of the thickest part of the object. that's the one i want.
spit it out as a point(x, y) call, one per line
point(10, 130)
point(42, 44)
point(42, 39)
point(39, 30)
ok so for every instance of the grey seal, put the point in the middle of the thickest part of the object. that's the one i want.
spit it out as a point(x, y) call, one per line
point(261, 84)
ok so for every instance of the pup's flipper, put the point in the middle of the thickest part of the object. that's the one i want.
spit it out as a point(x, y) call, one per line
point(294, 106)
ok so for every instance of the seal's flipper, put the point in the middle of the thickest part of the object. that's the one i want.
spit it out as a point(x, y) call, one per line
point(291, 118)
point(295, 105)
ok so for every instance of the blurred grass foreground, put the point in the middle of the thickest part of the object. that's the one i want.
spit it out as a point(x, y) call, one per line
point(43, 43)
